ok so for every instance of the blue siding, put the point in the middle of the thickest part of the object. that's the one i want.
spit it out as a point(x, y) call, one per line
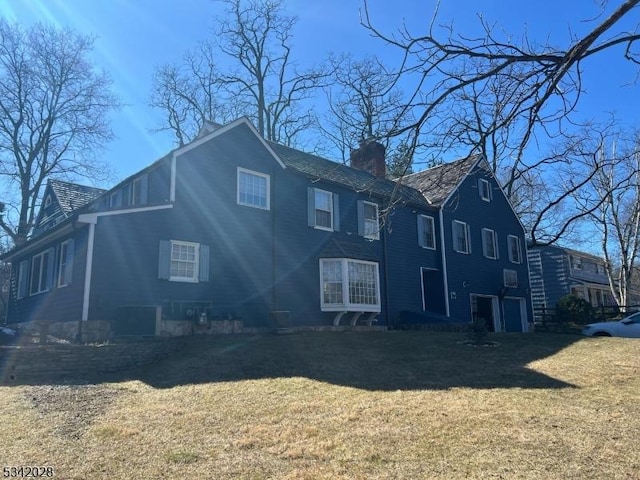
point(406, 258)
point(473, 273)
point(59, 304)
point(260, 261)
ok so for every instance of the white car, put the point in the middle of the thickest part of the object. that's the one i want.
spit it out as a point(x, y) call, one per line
point(627, 327)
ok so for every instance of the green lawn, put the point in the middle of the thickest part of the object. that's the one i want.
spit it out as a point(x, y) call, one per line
point(344, 405)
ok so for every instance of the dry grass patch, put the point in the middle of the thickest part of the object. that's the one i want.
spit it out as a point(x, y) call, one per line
point(345, 406)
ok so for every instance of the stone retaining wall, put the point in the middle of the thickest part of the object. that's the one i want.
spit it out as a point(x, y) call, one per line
point(63, 362)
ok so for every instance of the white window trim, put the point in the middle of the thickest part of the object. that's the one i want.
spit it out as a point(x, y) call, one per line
point(315, 209)
point(428, 219)
point(61, 266)
point(494, 239)
point(47, 201)
point(510, 239)
point(347, 305)
point(40, 258)
point(196, 267)
point(376, 234)
point(514, 273)
point(467, 237)
point(484, 182)
point(267, 193)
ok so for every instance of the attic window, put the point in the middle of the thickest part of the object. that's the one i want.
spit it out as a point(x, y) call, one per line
point(47, 201)
point(485, 189)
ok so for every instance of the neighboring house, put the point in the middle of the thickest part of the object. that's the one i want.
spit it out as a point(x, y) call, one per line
point(233, 226)
point(557, 271)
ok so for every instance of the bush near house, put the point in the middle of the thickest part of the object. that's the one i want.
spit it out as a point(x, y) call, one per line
point(573, 309)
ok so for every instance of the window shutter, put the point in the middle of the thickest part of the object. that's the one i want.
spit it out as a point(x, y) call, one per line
point(144, 188)
point(51, 262)
point(311, 206)
point(203, 274)
point(68, 274)
point(421, 231)
point(164, 260)
point(23, 278)
point(336, 212)
point(361, 218)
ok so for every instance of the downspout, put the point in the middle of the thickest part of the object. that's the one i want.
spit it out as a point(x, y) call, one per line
point(87, 274)
point(445, 275)
point(385, 265)
point(274, 295)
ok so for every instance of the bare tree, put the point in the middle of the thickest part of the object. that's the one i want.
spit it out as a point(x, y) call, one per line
point(507, 97)
point(363, 104)
point(617, 218)
point(190, 93)
point(54, 110)
point(262, 82)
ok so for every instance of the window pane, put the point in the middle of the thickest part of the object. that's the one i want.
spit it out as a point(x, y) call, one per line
point(252, 189)
point(332, 282)
point(183, 261)
point(429, 233)
point(514, 249)
point(323, 200)
point(371, 227)
point(362, 284)
point(35, 274)
point(460, 237)
point(489, 240)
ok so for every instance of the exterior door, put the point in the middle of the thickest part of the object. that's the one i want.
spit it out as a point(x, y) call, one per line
point(512, 313)
point(432, 291)
point(484, 307)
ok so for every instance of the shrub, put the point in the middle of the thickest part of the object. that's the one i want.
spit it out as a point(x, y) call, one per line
point(478, 331)
point(573, 309)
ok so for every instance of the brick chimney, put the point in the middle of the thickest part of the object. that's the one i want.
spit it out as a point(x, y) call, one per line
point(370, 158)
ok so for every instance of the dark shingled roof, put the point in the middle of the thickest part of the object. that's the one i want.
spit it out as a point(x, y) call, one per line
point(438, 182)
point(316, 167)
point(72, 196)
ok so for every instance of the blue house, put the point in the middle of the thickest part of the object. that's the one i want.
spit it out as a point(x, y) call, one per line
point(232, 228)
point(558, 271)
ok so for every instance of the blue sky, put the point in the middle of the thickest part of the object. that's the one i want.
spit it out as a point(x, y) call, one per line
point(135, 36)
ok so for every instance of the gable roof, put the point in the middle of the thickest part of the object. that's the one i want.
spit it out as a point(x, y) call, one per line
point(320, 168)
point(72, 196)
point(437, 183)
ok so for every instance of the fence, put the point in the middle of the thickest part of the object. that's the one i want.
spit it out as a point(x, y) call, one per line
point(547, 319)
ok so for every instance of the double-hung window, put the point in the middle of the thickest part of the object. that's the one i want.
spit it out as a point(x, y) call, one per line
point(65, 265)
point(348, 284)
point(489, 243)
point(42, 272)
point(515, 250)
point(253, 189)
point(182, 261)
point(323, 209)
point(368, 224)
point(426, 232)
point(461, 237)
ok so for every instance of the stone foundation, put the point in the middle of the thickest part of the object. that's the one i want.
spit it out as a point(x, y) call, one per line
point(176, 328)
